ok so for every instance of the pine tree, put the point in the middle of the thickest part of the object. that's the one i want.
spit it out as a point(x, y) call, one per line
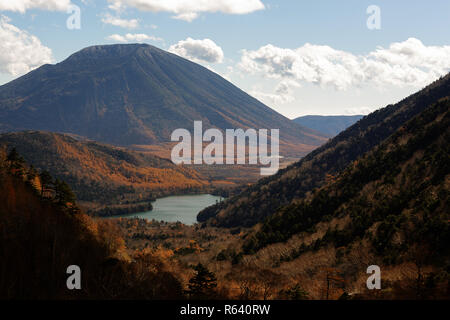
point(202, 285)
point(64, 194)
point(46, 181)
point(16, 161)
point(14, 156)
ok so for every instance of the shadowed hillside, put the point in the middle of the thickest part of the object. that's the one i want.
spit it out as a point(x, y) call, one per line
point(40, 239)
point(401, 186)
point(390, 208)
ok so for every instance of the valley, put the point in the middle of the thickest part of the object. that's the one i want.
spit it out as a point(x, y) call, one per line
point(110, 180)
point(360, 217)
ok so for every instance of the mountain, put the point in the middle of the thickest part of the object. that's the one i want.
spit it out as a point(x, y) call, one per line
point(389, 208)
point(263, 199)
point(328, 125)
point(399, 192)
point(136, 94)
point(101, 174)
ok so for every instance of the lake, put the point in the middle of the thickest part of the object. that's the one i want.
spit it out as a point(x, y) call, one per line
point(177, 208)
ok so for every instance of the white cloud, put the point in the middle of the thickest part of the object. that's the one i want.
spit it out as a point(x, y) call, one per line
point(188, 16)
point(129, 37)
point(21, 52)
point(408, 63)
point(357, 111)
point(118, 22)
point(283, 93)
point(271, 99)
point(24, 5)
point(189, 10)
point(198, 50)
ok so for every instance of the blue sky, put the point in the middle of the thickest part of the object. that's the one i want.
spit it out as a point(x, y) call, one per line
point(299, 57)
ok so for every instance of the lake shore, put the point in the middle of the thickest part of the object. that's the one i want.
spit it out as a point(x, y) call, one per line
point(178, 208)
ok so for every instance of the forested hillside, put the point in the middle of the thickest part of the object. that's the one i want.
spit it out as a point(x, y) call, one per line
point(396, 195)
point(389, 208)
point(40, 237)
point(101, 174)
point(263, 199)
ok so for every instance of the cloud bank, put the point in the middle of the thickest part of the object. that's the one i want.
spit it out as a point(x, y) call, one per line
point(408, 63)
point(21, 52)
point(204, 50)
point(23, 5)
point(189, 10)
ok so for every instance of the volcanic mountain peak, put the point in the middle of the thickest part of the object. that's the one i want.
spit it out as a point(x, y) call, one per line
point(135, 94)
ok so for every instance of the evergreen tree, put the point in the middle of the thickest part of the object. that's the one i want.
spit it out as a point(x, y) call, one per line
point(64, 194)
point(14, 156)
point(46, 180)
point(202, 285)
point(15, 160)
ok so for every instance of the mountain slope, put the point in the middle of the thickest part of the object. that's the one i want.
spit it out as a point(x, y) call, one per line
point(261, 200)
point(402, 185)
point(328, 125)
point(136, 94)
point(40, 239)
point(100, 173)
